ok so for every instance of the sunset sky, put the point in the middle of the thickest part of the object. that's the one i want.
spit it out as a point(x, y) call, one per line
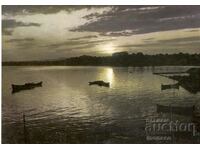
point(55, 32)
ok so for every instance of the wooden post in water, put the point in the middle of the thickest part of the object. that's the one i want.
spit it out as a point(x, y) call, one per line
point(24, 123)
point(172, 132)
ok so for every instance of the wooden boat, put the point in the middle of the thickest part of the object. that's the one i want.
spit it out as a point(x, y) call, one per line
point(169, 86)
point(189, 80)
point(100, 83)
point(26, 86)
point(186, 111)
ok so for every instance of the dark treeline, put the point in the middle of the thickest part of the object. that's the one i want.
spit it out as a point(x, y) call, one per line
point(120, 59)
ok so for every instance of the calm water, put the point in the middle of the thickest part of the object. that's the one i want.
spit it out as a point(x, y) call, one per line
point(67, 110)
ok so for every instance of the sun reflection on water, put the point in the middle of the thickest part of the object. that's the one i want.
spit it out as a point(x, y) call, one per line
point(109, 75)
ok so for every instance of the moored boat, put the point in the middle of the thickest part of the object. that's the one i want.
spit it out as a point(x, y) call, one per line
point(26, 86)
point(100, 83)
point(169, 86)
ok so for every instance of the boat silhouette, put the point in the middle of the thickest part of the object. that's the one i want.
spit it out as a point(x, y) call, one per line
point(100, 83)
point(169, 86)
point(26, 86)
point(190, 82)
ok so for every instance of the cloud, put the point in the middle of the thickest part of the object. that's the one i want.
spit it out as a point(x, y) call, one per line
point(84, 37)
point(193, 30)
point(20, 40)
point(42, 9)
point(9, 24)
point(78, 43)
point(119, 33)
point(76, 48)
point(181, 40)
point(195, 41)
point(22, 43)
point(142, 19)
point(148, 40)
point(43, 32)
point(6, 32)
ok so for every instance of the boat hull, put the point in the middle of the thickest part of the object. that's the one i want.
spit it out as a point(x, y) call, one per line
point(169, 86)
point(27, 86)
point(100, 83)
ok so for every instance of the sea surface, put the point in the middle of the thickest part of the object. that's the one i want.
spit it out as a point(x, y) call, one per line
point(67, 110)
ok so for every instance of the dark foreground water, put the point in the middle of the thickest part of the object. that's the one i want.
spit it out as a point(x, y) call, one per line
point(67, 110)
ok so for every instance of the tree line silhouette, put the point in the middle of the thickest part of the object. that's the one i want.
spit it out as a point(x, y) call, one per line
point(119, 59)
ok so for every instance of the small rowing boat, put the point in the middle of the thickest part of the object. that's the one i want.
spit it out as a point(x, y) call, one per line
point(26, 86)
point(169, 86)
point(100, 83)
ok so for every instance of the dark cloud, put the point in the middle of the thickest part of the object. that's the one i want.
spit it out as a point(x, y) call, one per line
point(84, 37)
point(92, 16)
point(136, 45)
point(193, 30)
point(142, 19)
point(20, 40)
point(23, 43)
point(113, 22)
point(163, 46)
point(9, 24)
point(148, 39)
point(77, 43)
point(12, 23)
point(67, 43)
point(6, 32)
point(195, 41)
point(117, 10)
point(42, 9)
point(27, 45)
point(181, 40)
point(118, 33)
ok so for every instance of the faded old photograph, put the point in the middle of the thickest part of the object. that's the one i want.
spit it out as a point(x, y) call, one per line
point(87, 74)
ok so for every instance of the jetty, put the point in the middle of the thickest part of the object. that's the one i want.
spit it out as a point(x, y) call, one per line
point(190, 82)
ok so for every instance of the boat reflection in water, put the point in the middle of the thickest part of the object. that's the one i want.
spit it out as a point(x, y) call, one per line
point(186, 111)
point(67, 110)
point(106, 77)
point(190, 82)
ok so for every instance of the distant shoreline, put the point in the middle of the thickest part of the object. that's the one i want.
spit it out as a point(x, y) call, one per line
point(103, 65)
point(120, 59)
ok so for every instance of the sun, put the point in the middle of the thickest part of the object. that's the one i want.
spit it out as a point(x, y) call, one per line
point(109, 48)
